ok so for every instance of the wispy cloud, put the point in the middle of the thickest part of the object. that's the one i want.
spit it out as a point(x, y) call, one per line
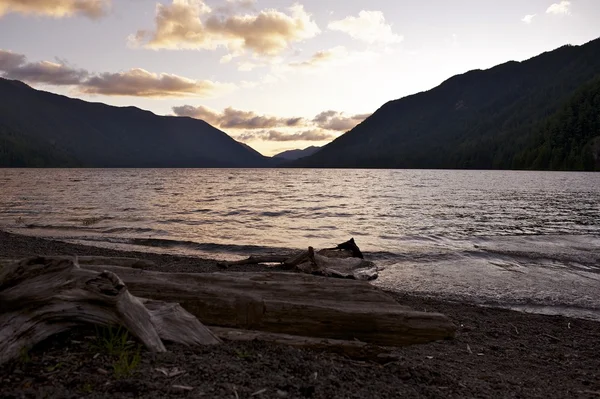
point(141, 83)
point(322, 127)
point(135, 82)
point(333, 120)
point(323, 57)
point(232, 118)
point(369, 27)
point(274, 135)
point(192, 24)
point(56, 8)
point(15, 66)
point(528, 18)
point(562, 8)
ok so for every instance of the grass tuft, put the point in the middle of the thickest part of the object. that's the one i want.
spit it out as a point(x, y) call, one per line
point(116, 342)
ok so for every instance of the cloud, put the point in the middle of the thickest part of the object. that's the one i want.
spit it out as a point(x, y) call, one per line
point(10, 60)
point(134, 82)
point(15, 66)
point(369, 27)
point(141, 83)
point(333, 120)
point(56, 8)
point(528, 18)
point(232, 118)
point(323, 57)
point(191, 24)
point(562, 8)
point(274, 135)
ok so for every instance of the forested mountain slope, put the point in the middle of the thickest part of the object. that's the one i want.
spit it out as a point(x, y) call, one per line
point(494, 119)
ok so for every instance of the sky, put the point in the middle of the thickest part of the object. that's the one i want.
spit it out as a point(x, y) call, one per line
point(274, 74)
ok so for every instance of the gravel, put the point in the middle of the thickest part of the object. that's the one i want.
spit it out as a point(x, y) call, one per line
point(496, 353)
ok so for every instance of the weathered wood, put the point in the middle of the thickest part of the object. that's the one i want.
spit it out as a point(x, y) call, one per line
point(341, 267)
point(115, 261)
point(305, 262)
point(40, 297)
point(344, 261)
point(296, 259)
point(290, 303)
point(254, 260)
point(353, 349)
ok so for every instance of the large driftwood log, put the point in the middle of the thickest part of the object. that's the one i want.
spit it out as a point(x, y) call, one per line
point(40, 297)
point(290, 303)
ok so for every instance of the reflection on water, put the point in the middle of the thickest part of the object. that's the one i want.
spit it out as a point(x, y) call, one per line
point(529, 238)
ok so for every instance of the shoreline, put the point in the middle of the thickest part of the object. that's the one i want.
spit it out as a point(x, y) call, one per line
point(496, 353)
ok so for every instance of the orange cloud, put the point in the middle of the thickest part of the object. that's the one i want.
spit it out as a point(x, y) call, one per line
point(333, 120)
point(320, 128)
point(15, 66)
point(236, 119)
point(323, 57)
point(134, 82)
point(141, 83)
point(274, 135)
point(191, 24)
point(56, 8)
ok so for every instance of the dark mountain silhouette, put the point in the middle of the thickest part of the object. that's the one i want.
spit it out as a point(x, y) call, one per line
point(522, 115)
point(292, 155)
point(43, 129)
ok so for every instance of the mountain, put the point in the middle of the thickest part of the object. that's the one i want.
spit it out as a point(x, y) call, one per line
point(44, 129)
point(500, 118)
point(292, 155)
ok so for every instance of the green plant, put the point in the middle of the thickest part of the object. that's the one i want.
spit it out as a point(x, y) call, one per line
point(127, 363)
point(24, 356)
point(242, 354)
point(113, 340)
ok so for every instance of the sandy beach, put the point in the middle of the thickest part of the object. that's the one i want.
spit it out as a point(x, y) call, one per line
point(496, 353)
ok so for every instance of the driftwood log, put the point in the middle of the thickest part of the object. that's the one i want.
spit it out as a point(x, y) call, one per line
point(290, 303)
point(40, 297)
point(43, 296)
point(344, 261)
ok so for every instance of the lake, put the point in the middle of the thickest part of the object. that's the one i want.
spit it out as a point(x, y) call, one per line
point(523, 240)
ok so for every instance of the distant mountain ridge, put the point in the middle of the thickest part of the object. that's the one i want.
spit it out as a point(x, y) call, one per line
point(38, 128)
point(492, 119)
point(292, 155)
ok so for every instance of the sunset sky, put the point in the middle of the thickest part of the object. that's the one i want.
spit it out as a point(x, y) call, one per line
point(275, 74)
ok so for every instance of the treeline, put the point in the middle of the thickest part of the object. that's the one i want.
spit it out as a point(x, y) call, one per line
point(18, 150)
point(570, 139)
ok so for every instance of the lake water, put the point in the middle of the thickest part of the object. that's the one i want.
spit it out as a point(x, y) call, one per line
point(524, 240)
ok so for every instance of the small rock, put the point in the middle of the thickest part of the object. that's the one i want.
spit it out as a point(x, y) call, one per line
point(17, 371)
point(282, 394)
